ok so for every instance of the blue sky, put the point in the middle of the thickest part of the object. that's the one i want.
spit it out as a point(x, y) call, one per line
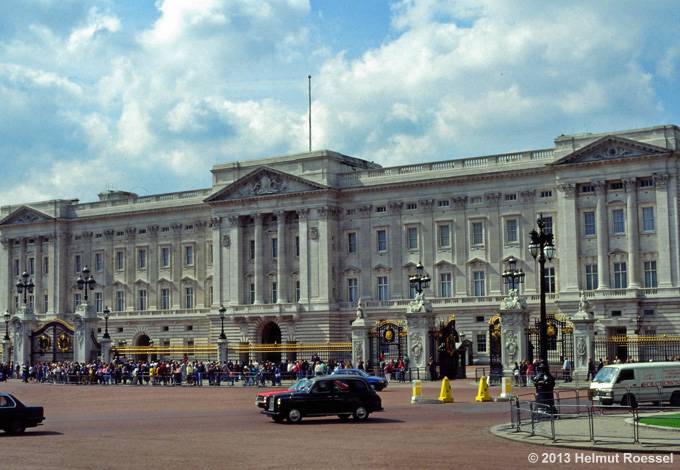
point(145, 96)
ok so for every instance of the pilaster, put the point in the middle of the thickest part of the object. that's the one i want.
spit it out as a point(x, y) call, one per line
point(633, 243)
point(282, 296)
point(303, 215)
point(601, 217)
point(218, 250)
point(259, 259)
point(567, 235)
point(233, 267)
point(366, 250)
point(663, 229)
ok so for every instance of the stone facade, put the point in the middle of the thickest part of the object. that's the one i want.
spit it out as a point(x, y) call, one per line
point(297, 240)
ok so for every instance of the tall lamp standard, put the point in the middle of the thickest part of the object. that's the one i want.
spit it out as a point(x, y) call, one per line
point(25, 285)
point(85, 282)
point(513, 278)
point(419, 280)
point(106, 312)
point(542, 248)
point(7, 317)
point(222, 310)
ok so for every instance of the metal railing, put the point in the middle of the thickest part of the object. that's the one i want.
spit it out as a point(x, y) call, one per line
point(575, 419)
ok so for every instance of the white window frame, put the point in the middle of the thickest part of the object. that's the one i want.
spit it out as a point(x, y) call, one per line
point(648, 223)
point(411, 238)
point(446, 284)
point(440, 228)
point(618, 225)
point(589, 226)
point(383, 285)
point(507, 232)
point(474, 241)
point(479, 283)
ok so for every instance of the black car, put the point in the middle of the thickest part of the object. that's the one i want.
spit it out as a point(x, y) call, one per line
point(15, 417)
point(343, 396)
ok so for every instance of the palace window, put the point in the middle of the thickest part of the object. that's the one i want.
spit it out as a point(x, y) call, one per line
point(549, 280)
point(99, 262)
point(120, 260)
point(443, 203)
point(620, 276)
point(46, 303)
point(209, 252)
point(381, 236)
point(591, 276)
point(412, 238)
point(650, 274)
point(648, 224)
point(445, 285)
point(120, 300)
point(31, 266)
point(548, 224)
point(141, 299)
point(481, 342)
point(165, 257)
point(618, 221)
point(589, 223)
point(76, 301)
point(275, 247)
point(251, 251)
point(99, 302)
point(274, 292)
point(165, 298)
point(297, 291)
point(188, 297)
point(352, 242)
point(141, 258)
point(444, 235)
point(352, 286)
point(478, 283)
point(189, 255)
point(46, 265)
point(511, 235)
point(77, 265)
point(251, 293)
point(410, 206)
point(383, 287)
point(477, 235)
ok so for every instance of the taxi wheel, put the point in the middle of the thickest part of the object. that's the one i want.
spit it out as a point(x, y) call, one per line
point(361, 414)
point(294, 416)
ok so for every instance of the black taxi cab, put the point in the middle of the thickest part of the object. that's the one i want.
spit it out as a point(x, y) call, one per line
point(344, 396)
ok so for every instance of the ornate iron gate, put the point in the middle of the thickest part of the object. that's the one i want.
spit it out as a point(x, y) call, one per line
point(560, 339)
point(495, 347)
point(387, 342)
point(52, 342)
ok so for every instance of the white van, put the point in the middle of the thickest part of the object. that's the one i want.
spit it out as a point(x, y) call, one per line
point(630, 384)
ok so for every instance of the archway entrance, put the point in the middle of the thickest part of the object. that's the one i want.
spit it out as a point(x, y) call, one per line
point(143, 341)
point(271, 334)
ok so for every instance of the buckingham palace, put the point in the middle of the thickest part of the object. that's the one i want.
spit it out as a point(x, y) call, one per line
point(291, 246)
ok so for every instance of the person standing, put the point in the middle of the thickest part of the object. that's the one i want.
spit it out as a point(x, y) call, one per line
point(432, 368)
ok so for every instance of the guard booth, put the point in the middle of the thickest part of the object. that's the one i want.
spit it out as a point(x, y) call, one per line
point(451, 353)
point(387, 342)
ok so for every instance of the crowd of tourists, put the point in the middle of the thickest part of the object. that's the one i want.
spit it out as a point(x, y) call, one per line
point(171, 372)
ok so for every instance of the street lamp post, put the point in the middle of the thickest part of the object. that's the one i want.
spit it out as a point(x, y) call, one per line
point(222, 310)
point(7, 317)
point(85, 282)
point(419, 280)
point(512, 276)
point(25, 285)
point(106, 312)
point(542, 248)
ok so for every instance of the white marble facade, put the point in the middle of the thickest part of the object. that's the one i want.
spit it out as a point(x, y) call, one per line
point(296, 240)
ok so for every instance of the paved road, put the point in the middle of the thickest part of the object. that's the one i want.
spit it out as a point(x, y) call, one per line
point(125, 427)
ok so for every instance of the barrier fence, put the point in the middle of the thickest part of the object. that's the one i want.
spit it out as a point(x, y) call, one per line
point(575, 419)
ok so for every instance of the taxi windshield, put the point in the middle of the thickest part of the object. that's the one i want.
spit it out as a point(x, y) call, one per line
point(605, 376)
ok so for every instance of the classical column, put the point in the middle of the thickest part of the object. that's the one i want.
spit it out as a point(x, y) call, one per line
point(282, 292)
point(602, 235)
point(303, 215)
point(366, 251)
point(259, 259)
point(633, 243)
point(217, 248)
point(177, 265)
point(427, 252)
point(460, 245)
point(568, 237)
point(6, 275)
point(397, 240)
point(130, 268)
point(109, 268)
point(152, 262)
point(38, 303)
point(493, 244)
point(325, 262)
point(201, 261)
point(663, 239)
point(528, 220)
point(234, 265)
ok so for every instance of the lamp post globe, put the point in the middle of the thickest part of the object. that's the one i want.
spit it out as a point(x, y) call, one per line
point(25, 286)
point(85, 282)
point(7, 316)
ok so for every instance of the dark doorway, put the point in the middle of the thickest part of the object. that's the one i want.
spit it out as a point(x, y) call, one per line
point(143, 341)
point(271, 334)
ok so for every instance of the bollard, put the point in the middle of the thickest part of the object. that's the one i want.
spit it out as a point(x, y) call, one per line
point(483, 392)
point(506, 389)
point(445, 395)
point(416, 392)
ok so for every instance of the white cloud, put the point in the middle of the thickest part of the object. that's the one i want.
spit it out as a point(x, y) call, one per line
point(96, 22)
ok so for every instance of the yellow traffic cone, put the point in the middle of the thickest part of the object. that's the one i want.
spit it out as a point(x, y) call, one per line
point(417, 392)
point(445, 395)
point(483, 392)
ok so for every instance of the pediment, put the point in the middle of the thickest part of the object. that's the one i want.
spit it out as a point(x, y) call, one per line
point(351, 270)
point(164, 279)
point(264, 181)
point(381, 267)
point(443, 262)
point(610, 148)
point(476, 260)
point(25, 215)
